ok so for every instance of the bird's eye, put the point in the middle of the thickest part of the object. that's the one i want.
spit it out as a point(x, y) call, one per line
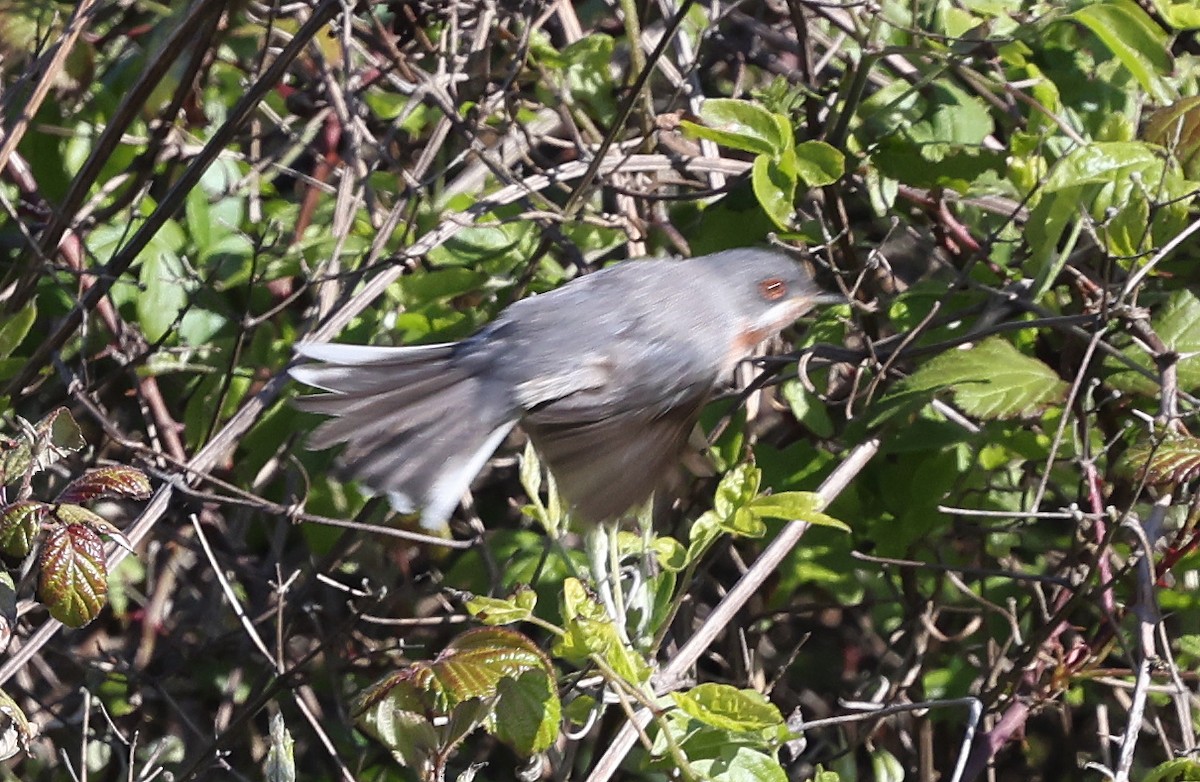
point(772, 289)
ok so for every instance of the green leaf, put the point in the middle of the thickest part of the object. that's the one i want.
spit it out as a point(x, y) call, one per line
point(740, 764)
point(1134, 39)
point(793, 506)
point(739, 124)
point(1178, 325)
point(528, 712)
point(393, 711)
point(1177, 770)
point(728, 708)
point(1179, 15)
point(78, 515)
point(40, 445)
point(20, 523)
point(476, 660)
point(991, 380)
point(509, 242)
point(738, 487)
point(589, 630)
point(164, 293)
point(280, 764)
point(74, 576)
point(493, 611)
point(775, 188)
point(16, 327)
point(819, 164)
point(807, 408)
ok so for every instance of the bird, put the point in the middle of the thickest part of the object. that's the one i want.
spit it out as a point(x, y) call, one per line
point(607, 375)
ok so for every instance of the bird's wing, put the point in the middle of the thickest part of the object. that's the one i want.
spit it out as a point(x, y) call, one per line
point(609, 465)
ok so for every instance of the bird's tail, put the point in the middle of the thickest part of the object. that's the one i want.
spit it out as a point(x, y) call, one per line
point(415, 426)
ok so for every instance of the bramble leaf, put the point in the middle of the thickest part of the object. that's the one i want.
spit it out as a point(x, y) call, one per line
point(74, 575)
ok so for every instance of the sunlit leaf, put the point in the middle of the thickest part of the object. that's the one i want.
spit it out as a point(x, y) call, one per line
point(74, 576)
point(20, 523)
point(164, 293)
point(1174, 460)
point(991, 380)
point(102, 482)
point(739, 124)
point(774, 185)
point(795, 506)
point(819, 164)
point(740, 764)
point(1134, 38)
point(518, 607)
point(1177, 324)
point(728, 708)
point(1177, 127)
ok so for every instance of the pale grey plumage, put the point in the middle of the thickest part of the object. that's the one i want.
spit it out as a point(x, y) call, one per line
point(606, 374)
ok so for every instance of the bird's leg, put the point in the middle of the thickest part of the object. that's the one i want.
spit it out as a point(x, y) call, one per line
point(641, 593)
point(604, 558)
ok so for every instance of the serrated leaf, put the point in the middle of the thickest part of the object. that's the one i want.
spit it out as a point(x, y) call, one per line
point(589, 630)
point(164, 292)
point(1177, 128)
point(740, 764)
point(74, 576)
point(476, 660)
point(1178, 325)
point(728, 708)
point(1175, 460)
point(40, 445)
point(394, 712)
point(488, 675)
point(77, 514)
point(528, 712)
point(1134, 39)
point(739, 124)
point(104, 482)
point(20, 523)
point(991, 380)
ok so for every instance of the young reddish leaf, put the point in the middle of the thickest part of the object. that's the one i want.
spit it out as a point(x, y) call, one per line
point(490, 676)
point(19, 525)
point(77, 514)
point(115, 481)
point(74, 576)
point(1176, 460)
